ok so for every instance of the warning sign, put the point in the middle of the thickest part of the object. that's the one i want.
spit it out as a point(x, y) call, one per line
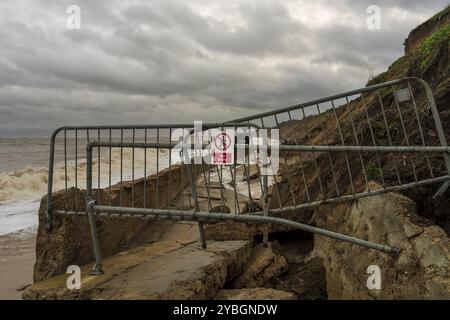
point(223, 147)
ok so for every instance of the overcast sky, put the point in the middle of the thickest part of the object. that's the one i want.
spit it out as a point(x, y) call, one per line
point(179, 61)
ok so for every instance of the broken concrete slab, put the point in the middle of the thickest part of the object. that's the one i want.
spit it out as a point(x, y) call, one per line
point(254, 294)
point(161, 270)
point(56, 288)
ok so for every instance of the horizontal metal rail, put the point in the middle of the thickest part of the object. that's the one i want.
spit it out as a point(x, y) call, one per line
point(367, 89)
point(357, 196)
point(301, 148)
point(211, 216)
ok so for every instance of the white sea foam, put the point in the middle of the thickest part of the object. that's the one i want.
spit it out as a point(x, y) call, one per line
point(21, 190)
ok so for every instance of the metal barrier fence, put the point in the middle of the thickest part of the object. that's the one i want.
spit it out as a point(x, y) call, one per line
point(330, 149)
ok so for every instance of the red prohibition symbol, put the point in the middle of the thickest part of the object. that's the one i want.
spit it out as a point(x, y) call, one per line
point(222, 141)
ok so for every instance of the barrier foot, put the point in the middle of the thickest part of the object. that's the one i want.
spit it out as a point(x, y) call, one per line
point(96, 270)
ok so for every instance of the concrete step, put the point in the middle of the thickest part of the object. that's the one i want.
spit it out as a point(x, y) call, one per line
point(161, 270)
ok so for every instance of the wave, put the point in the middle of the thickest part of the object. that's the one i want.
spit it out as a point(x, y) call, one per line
point(31, 182)
point(21, 190)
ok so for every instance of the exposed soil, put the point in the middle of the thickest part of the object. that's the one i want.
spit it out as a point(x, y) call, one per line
point(306, 277)
point(431, 211)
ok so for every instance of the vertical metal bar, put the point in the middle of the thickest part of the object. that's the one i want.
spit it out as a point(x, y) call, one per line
point(416, 111)
point(157, 169)
point(236, 200)
point(222, 199)
point(109, 168)
point(266, 209)
point(287, 170)
point(51, 161)
point(343, 143)
point(328, 153)
point(88, 140)
point(402, 122)
point(207, 191)
point(98, 168)
point(388, 134)
point(316, 166)
point(170, 167)
point(299, 158)
point(234, 177)
point(249, 189)
point(90, 203)
point(121, 169)
point(206, 181)
point(65, 171)
point(182, 172)
point(257, 166)
point(76, 170)
point(145, 170)
point(274, 177)
point(373, 136)
point(195, 197)
point(132, 167)
point(350, 113)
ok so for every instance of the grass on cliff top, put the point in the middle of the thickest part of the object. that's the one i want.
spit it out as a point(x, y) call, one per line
point(398, 69)
point(430, 47)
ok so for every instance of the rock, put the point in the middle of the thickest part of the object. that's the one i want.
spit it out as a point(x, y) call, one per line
point(420, 271)
point(228, 230)
point(161, 270)
point(255, 207)
point(254, 294)
point(253, 176)
point(432, 248)
point(221, 209)
point(307, 281)
point(264, 265)
point(412, 230)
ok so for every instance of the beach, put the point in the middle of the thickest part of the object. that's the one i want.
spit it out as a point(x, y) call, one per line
point(17, 256)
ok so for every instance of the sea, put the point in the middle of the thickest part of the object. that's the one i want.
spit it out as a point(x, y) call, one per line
point(24, 174)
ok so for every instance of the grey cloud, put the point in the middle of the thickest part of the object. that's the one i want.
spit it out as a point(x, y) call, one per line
point(160, 61)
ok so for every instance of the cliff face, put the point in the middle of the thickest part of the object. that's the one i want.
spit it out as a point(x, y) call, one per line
point(427, 57)
point(427, 54)
point(417, 36)
point(417, 223)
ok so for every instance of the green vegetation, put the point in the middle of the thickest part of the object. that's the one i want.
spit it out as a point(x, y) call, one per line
point(373, 171)
point(382, 77)
point(430, 47)
point(380, 132)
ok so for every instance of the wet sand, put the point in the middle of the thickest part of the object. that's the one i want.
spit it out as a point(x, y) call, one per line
point(17, 256)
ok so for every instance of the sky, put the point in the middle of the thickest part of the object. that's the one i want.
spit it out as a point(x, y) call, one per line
point(168, 61)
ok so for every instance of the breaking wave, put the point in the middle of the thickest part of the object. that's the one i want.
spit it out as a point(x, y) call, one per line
point(21, 190)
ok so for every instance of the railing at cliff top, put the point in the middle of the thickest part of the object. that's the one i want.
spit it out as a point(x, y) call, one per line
point(330, 150)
